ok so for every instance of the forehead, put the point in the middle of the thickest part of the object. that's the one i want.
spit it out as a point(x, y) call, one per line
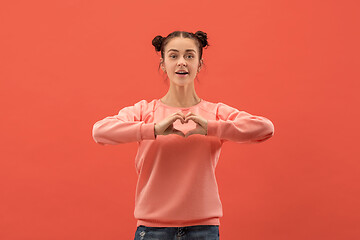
point(181, 44)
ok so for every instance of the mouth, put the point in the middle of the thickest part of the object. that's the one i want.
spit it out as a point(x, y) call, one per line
point(182, 73)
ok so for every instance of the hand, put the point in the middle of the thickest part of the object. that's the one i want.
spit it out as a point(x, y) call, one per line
point(166, 126)
point(201, 124)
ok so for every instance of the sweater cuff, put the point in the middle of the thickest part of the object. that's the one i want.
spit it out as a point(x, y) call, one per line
point(147, 131)
point(213, 128)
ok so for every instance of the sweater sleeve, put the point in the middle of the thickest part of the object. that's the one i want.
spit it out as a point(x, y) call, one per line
point(127, 126)
point(239, 126)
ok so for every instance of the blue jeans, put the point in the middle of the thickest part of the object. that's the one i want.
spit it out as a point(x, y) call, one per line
point(196, 232)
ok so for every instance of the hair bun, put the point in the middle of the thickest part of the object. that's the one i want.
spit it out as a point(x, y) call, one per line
point(202, 37)
point(157, 41)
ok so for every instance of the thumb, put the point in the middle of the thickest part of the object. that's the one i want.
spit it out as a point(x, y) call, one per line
point(189, 133)
point(177, 132)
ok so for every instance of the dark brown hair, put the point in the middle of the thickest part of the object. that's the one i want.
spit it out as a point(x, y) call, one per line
point(200, 38)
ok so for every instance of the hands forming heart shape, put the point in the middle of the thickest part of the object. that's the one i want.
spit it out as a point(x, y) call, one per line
point(166, 126)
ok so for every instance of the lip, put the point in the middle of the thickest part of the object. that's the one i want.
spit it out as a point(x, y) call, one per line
point(182, 70)
point(182, 75)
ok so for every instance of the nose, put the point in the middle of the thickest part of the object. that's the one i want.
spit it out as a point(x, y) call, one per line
point(182, 61)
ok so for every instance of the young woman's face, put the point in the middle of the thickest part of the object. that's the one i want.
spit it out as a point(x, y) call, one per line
point(181, 54)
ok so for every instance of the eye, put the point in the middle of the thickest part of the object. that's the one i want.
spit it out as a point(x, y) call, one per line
point(174, 56)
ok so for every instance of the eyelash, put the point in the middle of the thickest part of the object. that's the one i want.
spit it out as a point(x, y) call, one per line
point(188, 55)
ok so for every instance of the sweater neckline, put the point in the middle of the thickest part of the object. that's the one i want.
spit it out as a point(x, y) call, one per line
point(183, 108)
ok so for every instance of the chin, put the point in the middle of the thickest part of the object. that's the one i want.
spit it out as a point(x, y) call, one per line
point(183, 82)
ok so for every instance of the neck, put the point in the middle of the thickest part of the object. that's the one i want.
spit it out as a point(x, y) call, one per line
point(181, 97)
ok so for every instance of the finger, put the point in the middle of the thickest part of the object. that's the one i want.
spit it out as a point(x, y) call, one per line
point(194, 118)
point(180, 133)
point(189, 133)
point(178, 116)
point(190, 114)
point(182, 119)
point(179, 113)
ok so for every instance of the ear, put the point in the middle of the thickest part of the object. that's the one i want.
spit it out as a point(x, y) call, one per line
point(200, 64)
point(162, 64)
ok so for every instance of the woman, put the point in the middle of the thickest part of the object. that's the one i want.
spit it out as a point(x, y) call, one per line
point(179, 142)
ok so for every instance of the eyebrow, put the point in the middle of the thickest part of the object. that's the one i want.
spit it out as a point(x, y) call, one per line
point(187, 50)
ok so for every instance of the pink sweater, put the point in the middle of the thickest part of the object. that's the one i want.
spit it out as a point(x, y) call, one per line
point(176, 176)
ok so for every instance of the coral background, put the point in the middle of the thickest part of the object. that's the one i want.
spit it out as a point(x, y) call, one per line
point(66, 64)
